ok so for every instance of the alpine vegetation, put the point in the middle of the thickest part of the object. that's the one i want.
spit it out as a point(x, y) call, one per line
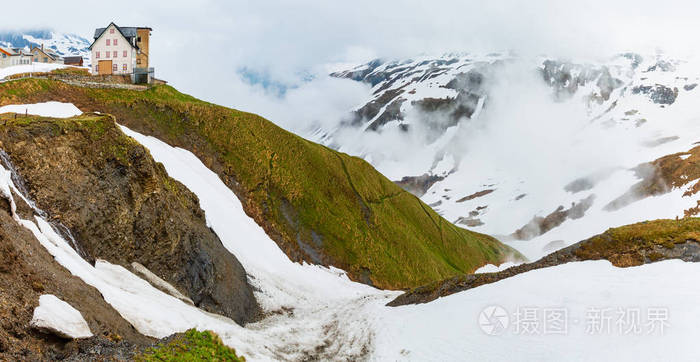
point(381, 182)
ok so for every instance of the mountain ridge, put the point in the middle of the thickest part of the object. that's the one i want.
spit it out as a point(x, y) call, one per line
point(64, 44)
point(364, 227)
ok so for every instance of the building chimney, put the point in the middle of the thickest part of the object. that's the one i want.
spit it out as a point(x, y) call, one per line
point(42, 47)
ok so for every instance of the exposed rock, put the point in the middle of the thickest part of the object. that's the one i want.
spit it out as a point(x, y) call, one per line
point(159, 283)
point(99, 348)
point(476, 194)
point(662, 66)
point(392, 112)
point(370, 110)
point(60, 318)
point(653, 183)
point(418, 185)
point(566, 78)
point(659, 94)
point(121, 206)
point(469, 221)
point(27, 271)
point(360, 73)
point(540, 225)
point(690, 87)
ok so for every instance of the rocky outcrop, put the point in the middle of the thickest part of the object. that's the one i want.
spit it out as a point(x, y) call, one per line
point(392, 80)
point(566, 79)
point(121, 206)
point(679, 170)
point(418, 185)
point(540, 225)
point(27, 271)
point(658, 93)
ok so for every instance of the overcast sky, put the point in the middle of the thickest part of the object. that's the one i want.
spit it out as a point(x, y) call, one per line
point(202, 46)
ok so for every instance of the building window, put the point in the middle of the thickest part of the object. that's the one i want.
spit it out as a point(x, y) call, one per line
point(106, 54)
point(138, 39)
point(46, 59)
point(124, 67)
point(97, 55)
point(115, 42)
point(114, 68)
point(111, 31)
point(108, 42)
point(125, 54)
point(97, 68)
point(114, 54)
point(138, 61)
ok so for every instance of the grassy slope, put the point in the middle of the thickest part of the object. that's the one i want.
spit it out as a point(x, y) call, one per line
point(319, 205)
point(631, 245)
point(625, 246)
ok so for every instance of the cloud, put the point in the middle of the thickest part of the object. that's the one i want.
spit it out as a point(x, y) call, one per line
point(201, 47)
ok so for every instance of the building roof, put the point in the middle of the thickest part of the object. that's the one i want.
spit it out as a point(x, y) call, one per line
point(48, 51)
point(15, 51)
point(72, 59)
point(129, 32)
point(7, 51)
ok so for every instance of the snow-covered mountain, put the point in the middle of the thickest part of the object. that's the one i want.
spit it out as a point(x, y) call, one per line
point(81, 173)
point(521, 147)
point(63, 44)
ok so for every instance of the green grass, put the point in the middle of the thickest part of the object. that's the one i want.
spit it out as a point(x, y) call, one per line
point(301, 192)
point(627, 245)
point(192, 346)
point(101, 129)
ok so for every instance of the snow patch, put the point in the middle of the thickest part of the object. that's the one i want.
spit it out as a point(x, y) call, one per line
point(316, 312)
point(47, 109)
point(30, 68)
point(60, 318)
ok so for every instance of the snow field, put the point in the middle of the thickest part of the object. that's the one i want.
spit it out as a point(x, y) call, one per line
point(320, 307)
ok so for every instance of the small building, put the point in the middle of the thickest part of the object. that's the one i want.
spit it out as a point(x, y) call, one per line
point(75, 61)
point(45, 55)
point(14, 56)
point(122, 51)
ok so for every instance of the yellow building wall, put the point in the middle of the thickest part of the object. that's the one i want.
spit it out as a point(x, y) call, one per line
point(142, 57)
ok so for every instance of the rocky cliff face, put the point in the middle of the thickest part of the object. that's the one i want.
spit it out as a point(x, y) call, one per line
point(122, 207)
point(27, 271)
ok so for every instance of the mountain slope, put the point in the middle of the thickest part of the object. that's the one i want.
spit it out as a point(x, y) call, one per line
point(320, 206)
point(316, 313)
point(537, 151)
point(626, 246)
point(121, 206)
